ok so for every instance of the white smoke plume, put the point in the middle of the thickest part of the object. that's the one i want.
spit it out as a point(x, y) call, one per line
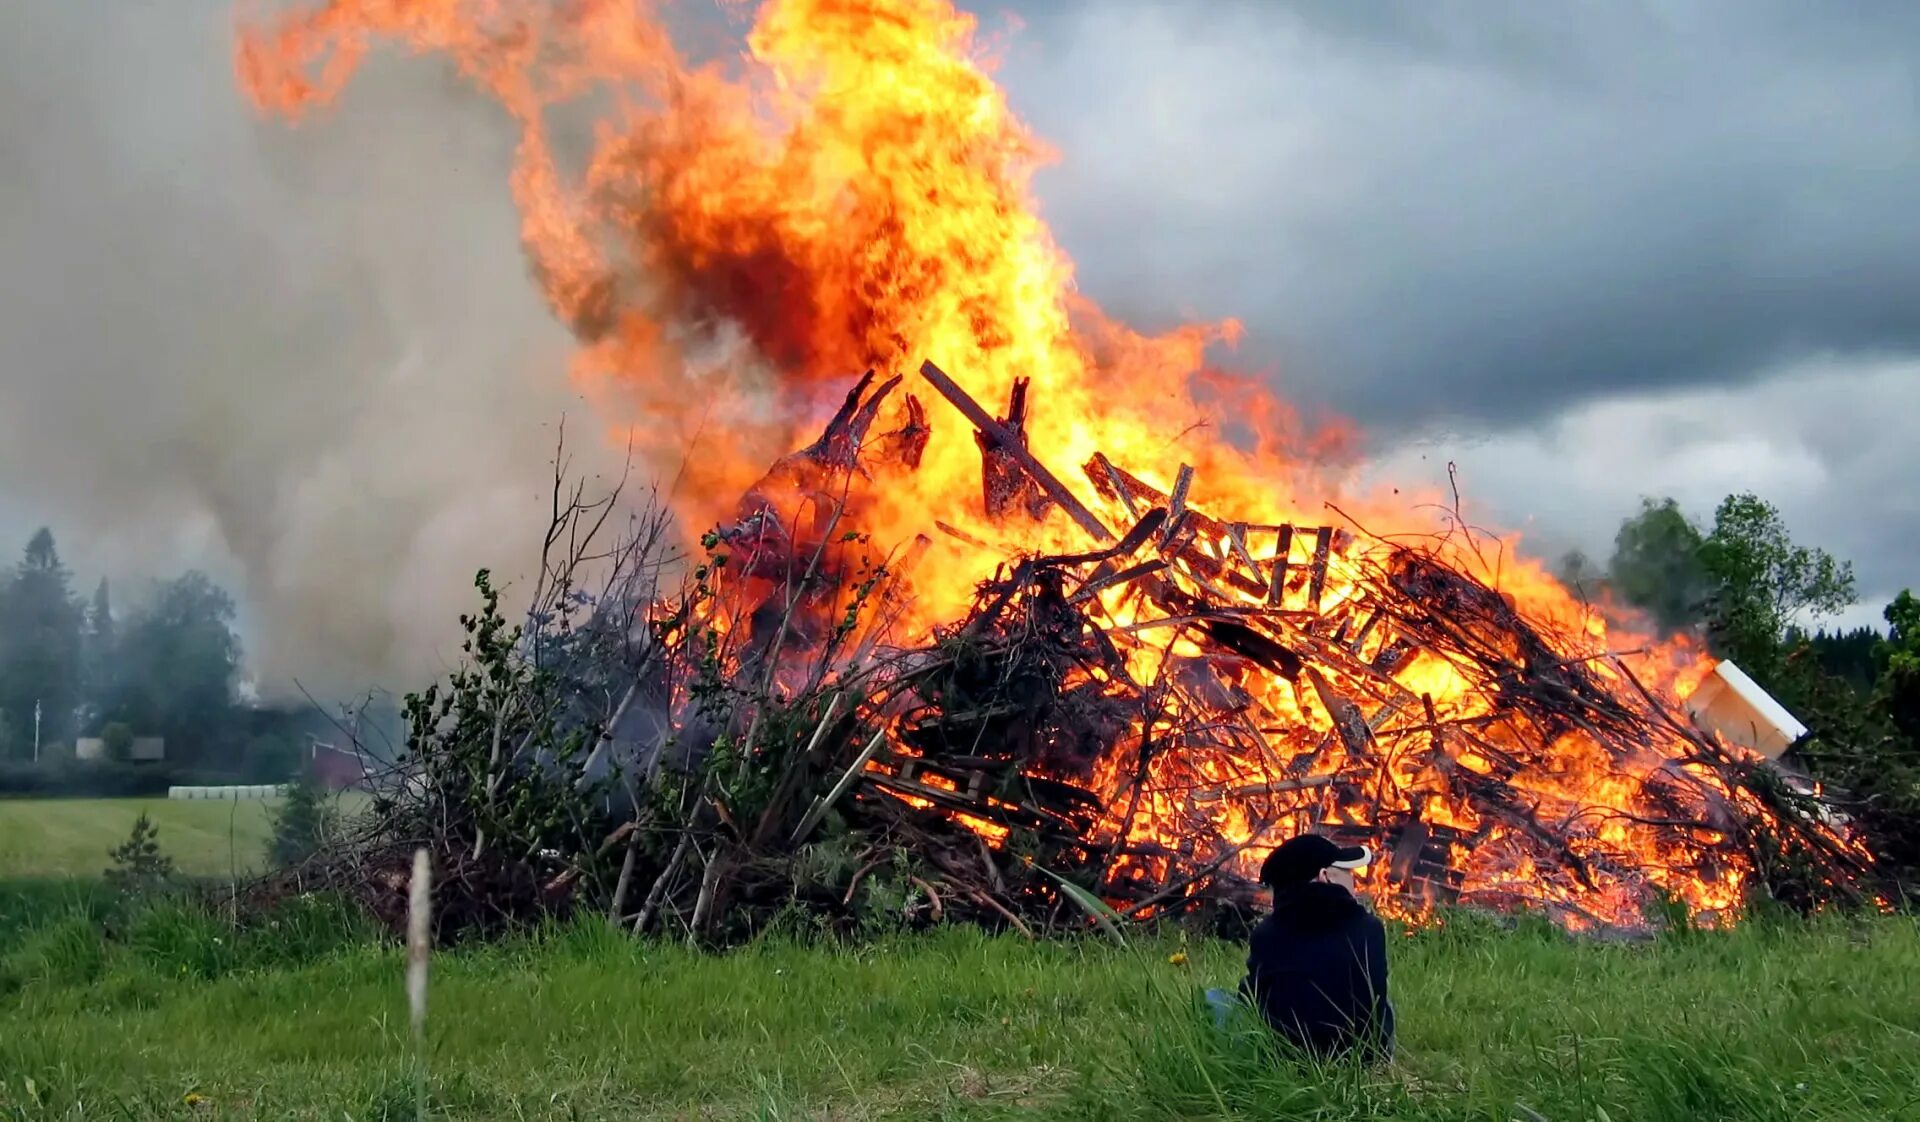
point(305, 359)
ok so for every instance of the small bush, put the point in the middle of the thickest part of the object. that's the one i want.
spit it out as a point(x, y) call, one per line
point(301, 824)
point(139, 868)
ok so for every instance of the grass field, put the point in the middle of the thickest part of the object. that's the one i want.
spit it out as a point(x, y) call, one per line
point(178, 1016)
point(71, 837)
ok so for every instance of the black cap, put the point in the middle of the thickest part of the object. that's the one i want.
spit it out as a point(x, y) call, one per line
point(1299, 859)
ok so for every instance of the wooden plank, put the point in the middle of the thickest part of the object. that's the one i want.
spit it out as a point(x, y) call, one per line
point(1277, 590)
point(1312, 648)
point(1237, 536)
point(1386, 713)
point(1105, 475)
point(1322, 543)
point(1103, 572)
point(1106, 469)
point(1413, 839)
point(1366, 629)
point(1349, 723)
point(1142, 530)
point(984, 421)
point(1436, 742)
point(825, 802)
point(1177, 505)
point(1131, 573)
point(1392, 655)
point(1176, 539)
point(1180, 534)
point(959, 534)
point(1255, 646)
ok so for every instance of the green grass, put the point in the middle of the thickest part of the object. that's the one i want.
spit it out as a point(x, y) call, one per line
point(71, 837)
point(307, 1020)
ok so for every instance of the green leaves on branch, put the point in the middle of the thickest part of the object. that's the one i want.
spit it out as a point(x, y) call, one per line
point(1764, 583)
point(1744, 577)
point(498, 748)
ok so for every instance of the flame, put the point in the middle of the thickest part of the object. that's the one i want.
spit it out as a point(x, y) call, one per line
point(854, 192)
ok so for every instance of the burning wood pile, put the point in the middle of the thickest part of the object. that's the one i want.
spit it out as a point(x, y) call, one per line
point(1125, 727)
point(1145, 717)
point(889, 693)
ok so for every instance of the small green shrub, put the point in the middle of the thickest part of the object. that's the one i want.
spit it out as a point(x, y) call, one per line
point(301, 824)
point(139, 867)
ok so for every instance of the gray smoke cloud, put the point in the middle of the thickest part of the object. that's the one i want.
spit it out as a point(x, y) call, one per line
point(1492, 211)
point(307, 359)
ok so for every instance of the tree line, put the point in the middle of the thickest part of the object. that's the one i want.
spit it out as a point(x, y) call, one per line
point(168, 666)
point(1756, 597)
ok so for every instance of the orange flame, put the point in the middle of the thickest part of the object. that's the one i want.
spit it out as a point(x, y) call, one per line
point(854, 192)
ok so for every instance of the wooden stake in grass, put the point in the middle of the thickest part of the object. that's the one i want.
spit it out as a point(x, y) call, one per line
point(419, 933)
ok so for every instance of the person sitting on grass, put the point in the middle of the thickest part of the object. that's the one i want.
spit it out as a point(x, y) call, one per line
point(1317, 967)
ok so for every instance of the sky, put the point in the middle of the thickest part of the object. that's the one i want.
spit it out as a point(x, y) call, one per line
point(1588, 251)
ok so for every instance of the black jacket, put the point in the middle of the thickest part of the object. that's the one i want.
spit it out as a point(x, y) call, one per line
point(1317, 970)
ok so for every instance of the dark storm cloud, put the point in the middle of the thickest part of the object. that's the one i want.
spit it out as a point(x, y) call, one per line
point(1492, 211)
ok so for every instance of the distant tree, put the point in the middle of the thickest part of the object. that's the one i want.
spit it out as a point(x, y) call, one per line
point(178, 661)
point(1851, 655)
point(1656, 565)
point(98, 656)
point(40, 647)
point(1901, 650)
point(117, 740)
point(1899, 656)
point(1764, 584)
point(100, 616)
point(1866, 742)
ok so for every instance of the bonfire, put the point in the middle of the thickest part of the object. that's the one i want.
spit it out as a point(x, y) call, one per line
point(1087, 617)
point(1146, 716)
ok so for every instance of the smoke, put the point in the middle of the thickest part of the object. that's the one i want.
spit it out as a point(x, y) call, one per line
point(306, 359)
